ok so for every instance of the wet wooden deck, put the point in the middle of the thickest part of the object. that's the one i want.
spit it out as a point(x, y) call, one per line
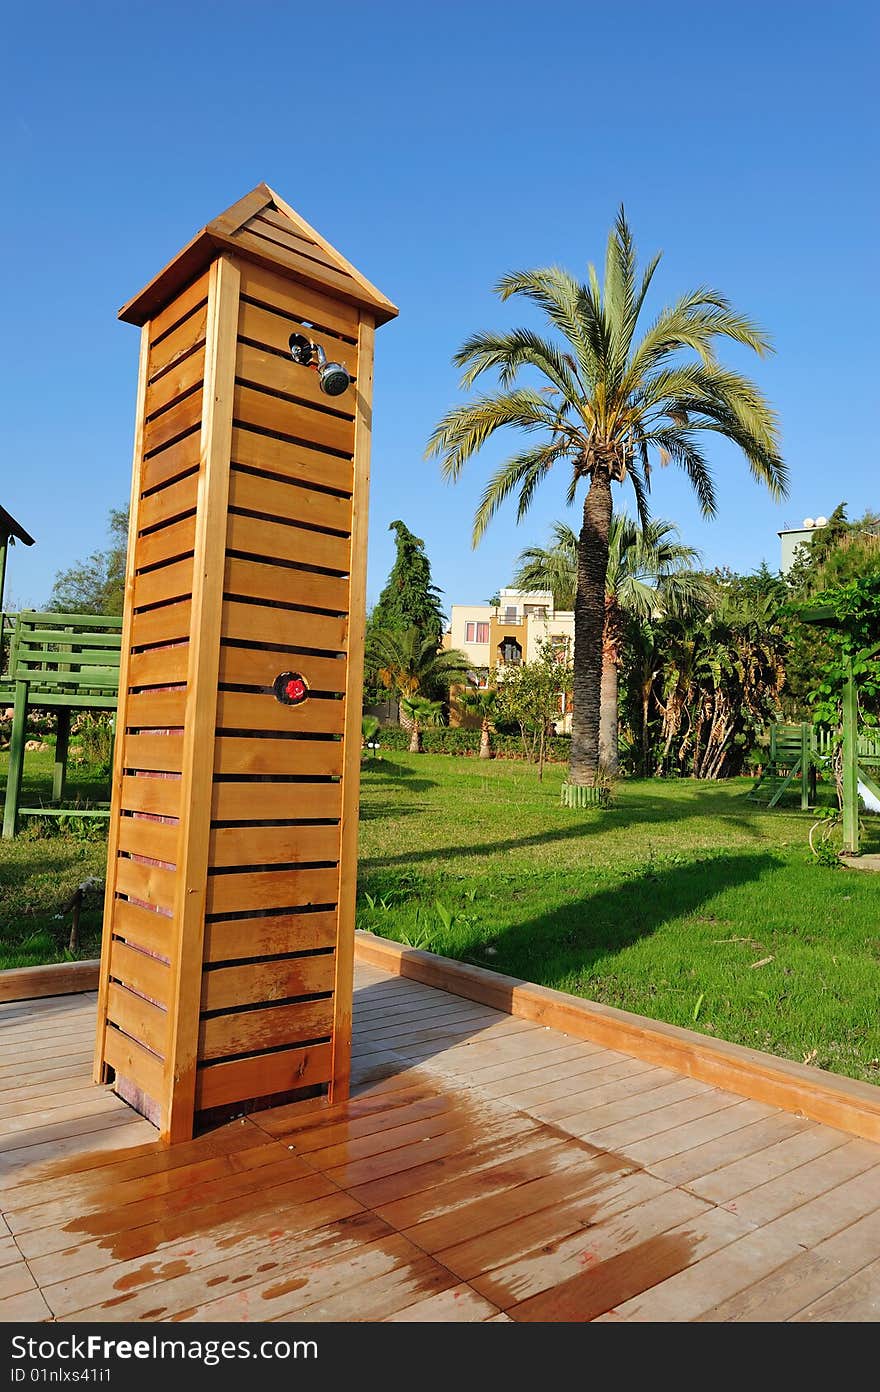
point(486, 1168)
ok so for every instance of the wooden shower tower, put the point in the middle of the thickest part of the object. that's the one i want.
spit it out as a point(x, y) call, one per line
point(226, 970)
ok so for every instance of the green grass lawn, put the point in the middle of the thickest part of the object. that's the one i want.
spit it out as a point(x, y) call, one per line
point(42, 867)
point(670, 904)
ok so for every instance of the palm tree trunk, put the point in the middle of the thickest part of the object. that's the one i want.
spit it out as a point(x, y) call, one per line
point(608, 715)
point(415, 739)
point(589, 620)
point(485, 743)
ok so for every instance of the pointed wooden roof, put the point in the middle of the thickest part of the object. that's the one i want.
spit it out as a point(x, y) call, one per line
point(263, 228)
point(10, 528)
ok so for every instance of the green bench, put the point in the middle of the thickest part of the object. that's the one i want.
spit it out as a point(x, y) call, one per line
point(63, 662)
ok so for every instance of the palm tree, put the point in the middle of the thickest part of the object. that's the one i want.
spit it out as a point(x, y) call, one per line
point(610, 403)
point(411, 664)
point(420, 713)
point(483, 702)
point(649, 575)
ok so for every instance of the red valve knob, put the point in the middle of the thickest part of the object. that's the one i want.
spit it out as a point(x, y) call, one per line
point(295, 689)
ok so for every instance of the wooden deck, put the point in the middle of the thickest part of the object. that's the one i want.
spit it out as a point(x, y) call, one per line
point(486, 1168)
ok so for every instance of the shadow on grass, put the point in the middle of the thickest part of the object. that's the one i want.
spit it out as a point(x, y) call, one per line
point(643, 811)
point(567, 943)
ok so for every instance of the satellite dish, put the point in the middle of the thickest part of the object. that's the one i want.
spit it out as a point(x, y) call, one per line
point(821, 521)
point(809, 523)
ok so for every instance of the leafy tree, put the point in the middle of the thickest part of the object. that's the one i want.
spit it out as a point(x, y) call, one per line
point(528, 695)
point(852, 634)
point(609, 403)
point(409, 599)
point(649, 573)
point(96, 585)
point(719, 684)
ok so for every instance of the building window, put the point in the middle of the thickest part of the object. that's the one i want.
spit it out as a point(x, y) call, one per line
point(560, 647)
point(476, 633)
point(535, 611)
point(510, 652)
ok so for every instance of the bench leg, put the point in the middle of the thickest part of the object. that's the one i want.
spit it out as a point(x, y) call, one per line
point(62, 741)
point(16, 761)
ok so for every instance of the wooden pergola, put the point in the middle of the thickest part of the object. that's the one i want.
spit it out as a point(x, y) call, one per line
point(854, 772)
point(10, 532)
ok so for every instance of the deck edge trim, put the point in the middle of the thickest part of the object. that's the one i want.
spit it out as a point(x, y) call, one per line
point(832, 1099)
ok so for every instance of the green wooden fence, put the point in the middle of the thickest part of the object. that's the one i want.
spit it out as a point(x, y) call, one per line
point(62, 662)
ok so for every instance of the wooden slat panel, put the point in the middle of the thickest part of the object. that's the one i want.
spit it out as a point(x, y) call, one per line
point(272, 845)
point(244, 710)
point(140, 972)
point(274, 330)
point(293, 418)
point(270, 889)
point(156, 709)
point(260, 667)
point(208, 569)
point(289, 501)
point(227, 940)
point(65, 664)
point(255, 537)
point(168, 502)
point(142, 836)
point(300, 301)
point(226, 988)
point(133, 1062)
point(146, 929)
point(151, 884)
point(189, 334)
point(249, 1030)
point(262, 368)
point(300, 265)
point(259, 801)
point(175, 383)
point(168, 463)
point(277, 757)
point(262, 1075)
point(276, 228)
point(174, 540)
point(158, 753)
point(159, 666)
point(184, 304)
point(173, 423)
point(167, 624)
point(289, 460)
point(161, 796)
point(138, 1018)
point(261, 623)
point(174, 581)
point(259, 580)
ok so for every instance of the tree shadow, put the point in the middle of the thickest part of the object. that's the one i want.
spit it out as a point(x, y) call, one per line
point(647, 810)
point(565, 944)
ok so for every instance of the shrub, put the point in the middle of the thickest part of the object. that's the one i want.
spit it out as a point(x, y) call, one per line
point(466, 743)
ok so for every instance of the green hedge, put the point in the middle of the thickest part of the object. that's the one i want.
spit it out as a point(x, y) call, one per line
point(466, 743)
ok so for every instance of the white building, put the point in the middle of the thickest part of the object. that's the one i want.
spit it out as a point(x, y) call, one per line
point(505, 634)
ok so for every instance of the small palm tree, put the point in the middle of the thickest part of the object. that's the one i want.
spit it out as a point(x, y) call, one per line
point(420, 713)
point(482, 702)
point(411, 664)
point(649, 575)
point(610, 403)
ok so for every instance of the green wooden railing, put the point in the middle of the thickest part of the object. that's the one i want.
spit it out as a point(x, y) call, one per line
point(63, 662)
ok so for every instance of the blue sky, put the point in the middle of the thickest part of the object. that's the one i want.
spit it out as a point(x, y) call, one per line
point(437, 147)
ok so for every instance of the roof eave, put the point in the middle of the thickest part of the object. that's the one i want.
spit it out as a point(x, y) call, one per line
point(198, 254)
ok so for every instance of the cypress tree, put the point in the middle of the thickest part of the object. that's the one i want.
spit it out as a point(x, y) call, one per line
point(409, 599)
